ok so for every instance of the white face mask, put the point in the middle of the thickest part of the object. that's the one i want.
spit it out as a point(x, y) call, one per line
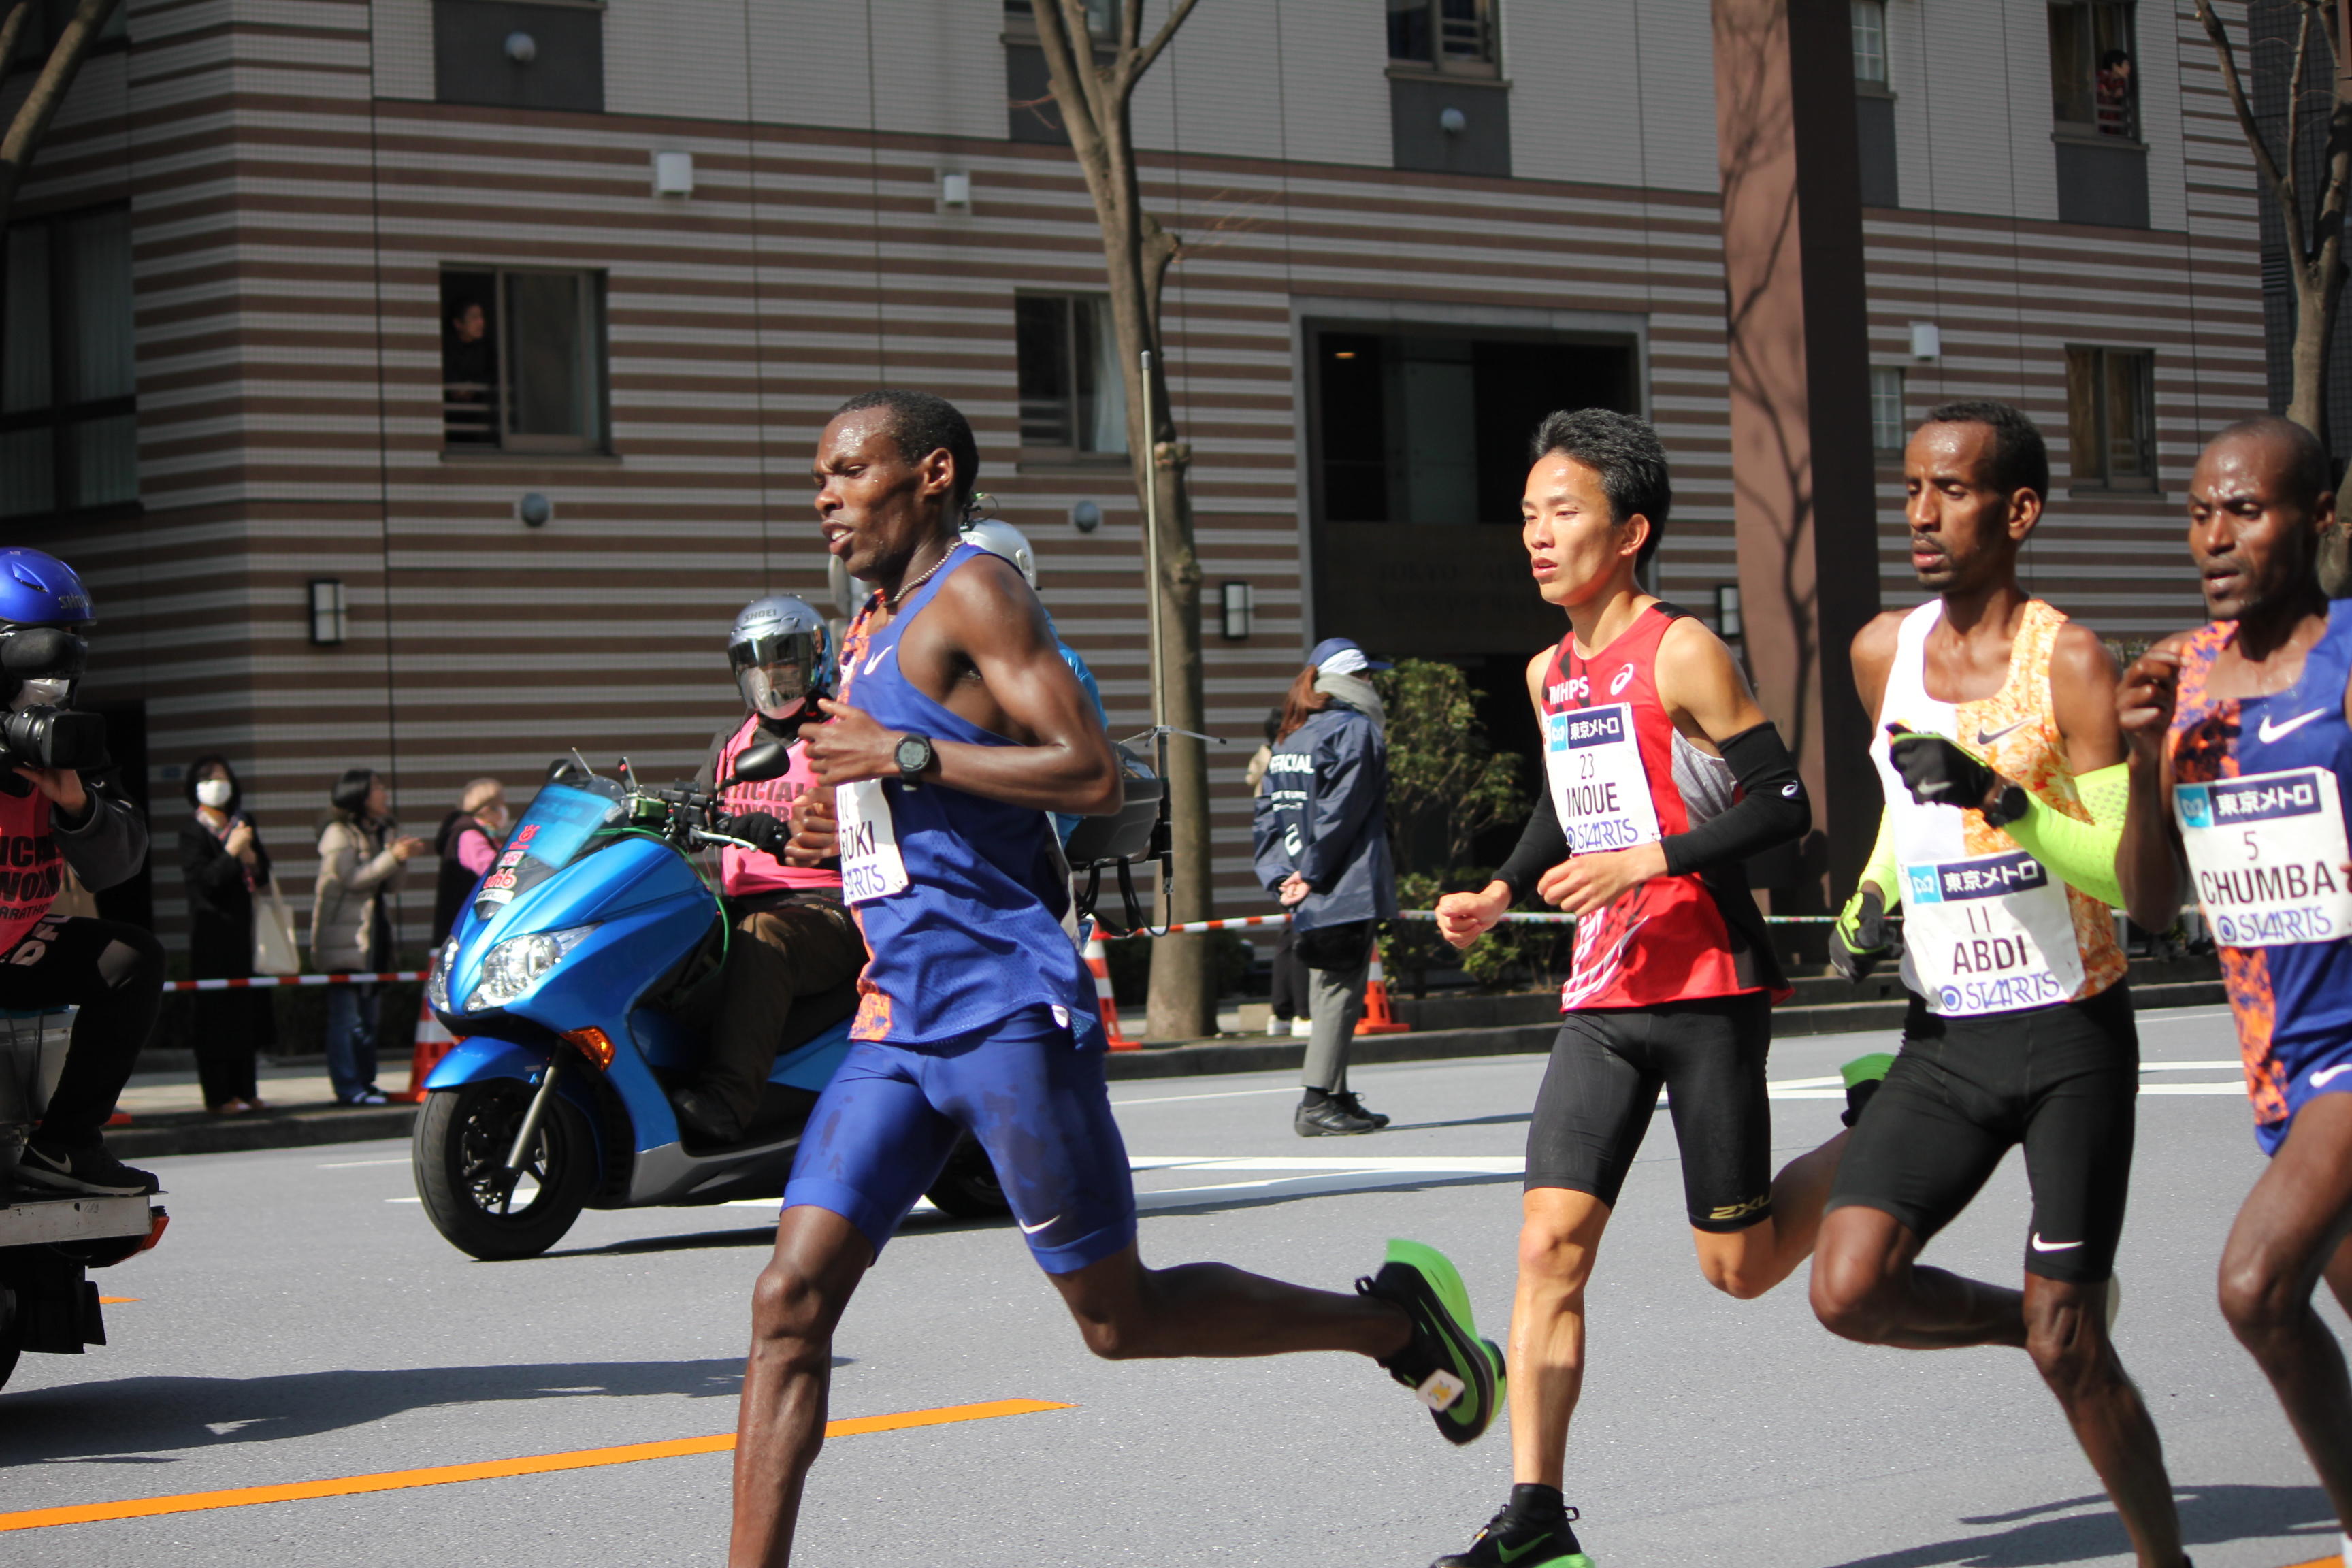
point(214, 793)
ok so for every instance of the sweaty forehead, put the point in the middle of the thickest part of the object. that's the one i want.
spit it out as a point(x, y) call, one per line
point(863, 434)
point(2249, 465)
point(1951, 448)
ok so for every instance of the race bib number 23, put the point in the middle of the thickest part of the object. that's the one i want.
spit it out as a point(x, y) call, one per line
point(1593, 763)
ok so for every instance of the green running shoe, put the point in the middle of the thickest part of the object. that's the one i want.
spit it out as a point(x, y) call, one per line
point(1457, 1375)
point(1863, 1076)
point(1509, 1540)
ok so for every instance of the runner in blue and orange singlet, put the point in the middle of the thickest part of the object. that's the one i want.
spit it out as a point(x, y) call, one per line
point(2240, 758)
point(1664, 778)
point(959, 729)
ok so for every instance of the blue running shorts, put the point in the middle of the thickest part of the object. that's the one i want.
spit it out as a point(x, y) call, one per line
point(1038, 1104)
point(2323, 1067)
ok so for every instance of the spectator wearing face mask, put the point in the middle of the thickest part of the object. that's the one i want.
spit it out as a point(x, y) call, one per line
point(225, 865)
point(468, 843)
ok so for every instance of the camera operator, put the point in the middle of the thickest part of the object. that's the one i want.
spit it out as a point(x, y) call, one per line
point(58, 807)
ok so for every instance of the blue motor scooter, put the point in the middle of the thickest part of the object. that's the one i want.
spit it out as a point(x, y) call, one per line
point(580, 979)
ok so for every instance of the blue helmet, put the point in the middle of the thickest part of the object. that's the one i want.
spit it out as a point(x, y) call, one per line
point(43, 608)
point(781, 653)
point(39, 590)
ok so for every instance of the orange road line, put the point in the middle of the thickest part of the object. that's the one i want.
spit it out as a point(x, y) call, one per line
point(2319, 1562)
point(540, 1464)
point(118, 1300)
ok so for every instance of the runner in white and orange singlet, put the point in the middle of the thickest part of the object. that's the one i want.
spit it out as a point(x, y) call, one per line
point(1663, 777)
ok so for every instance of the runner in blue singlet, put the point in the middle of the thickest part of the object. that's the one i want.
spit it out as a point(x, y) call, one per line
point(2241, 736)
point(959, 729)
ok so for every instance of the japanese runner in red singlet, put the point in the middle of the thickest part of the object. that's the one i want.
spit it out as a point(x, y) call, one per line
point(1662, 778)
point(2241, 735)
point(2001, 767)
point(960, 728)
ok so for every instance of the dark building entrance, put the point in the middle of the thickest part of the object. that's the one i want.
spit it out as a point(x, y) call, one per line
point(1417, 455)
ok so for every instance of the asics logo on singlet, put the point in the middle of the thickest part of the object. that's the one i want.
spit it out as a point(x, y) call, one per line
point(1625, 677)
point(2269, 731)
point(1986, 739)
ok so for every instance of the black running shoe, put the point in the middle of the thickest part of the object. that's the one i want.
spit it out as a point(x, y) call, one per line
point(90, 1171)
point(1346, 1101)
point(1509, 1540)
point(1457, 1375)
point(1327, 1118)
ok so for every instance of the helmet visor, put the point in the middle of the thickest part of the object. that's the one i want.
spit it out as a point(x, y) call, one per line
point(776, 673)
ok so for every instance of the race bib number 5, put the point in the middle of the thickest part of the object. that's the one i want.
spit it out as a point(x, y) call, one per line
point(2268, 851)
point(871, 867)
point(1593, 763)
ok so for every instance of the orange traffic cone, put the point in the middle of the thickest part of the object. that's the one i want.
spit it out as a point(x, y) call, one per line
point(433, 1043)
point(1378, 1019)
point(1099, 962)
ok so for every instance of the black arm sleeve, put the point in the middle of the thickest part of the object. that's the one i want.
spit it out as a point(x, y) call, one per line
point(1772, 809)
point(1541, 846)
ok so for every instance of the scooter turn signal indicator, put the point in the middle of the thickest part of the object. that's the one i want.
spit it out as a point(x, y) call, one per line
point(594, 1044)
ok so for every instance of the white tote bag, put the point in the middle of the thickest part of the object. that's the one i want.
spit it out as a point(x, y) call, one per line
point(274, 952)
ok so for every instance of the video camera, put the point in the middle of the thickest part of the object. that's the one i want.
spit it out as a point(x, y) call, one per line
point(38, 669)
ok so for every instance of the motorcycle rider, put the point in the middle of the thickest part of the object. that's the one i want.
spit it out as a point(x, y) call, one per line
point(59, 807)
point(1004, 540)
point(792, 937)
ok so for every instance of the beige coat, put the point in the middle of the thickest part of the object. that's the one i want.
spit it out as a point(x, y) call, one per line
point(354, 870)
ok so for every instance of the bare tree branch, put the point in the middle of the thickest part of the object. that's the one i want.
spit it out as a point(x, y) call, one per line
point(1167, 30)
point(2295, 100)
point(32, 122)
point(2279, 183)
point(11, 30)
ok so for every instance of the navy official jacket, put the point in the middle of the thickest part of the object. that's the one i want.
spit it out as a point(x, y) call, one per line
point(1322, 811)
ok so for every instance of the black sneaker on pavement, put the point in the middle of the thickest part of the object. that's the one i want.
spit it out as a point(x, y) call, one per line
point(1457, 1375)
point(1517, 1540)
point(89, 1170)
point(1346, 1099)
point(1327, 1118)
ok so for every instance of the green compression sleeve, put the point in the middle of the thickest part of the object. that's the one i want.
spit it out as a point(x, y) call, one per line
point(2082, 853)
point(1881, 867)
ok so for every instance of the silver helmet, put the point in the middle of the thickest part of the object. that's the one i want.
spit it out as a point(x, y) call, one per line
point(781, 653)
point(1003, 539)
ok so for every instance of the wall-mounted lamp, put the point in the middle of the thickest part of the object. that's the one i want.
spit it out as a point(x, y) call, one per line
point(955, 190)
point(673, 174)
point(1452, 122)
point(521, 48)
point(1086, 516)
point(1239, 600)
point(534, 509)
point(328, 620)
point(1927, 341)
point(1727, 610)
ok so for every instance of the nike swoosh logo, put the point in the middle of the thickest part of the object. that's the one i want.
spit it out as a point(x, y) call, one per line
point(2269, 731)
point(1033, 1229)
point(1984, 738)
point(1510, 1554)
point(2320, 1078)
point(2042, 1246)
point(878, 658)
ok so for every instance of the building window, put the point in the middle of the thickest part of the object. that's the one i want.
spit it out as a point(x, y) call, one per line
point(522, 361)
point(1887, 430)
point(68, 425)
point(1072, 394)
point(520, 53)
point(2093, 83)
point(2111, 417)
point(1870, 41)
point(1444, 35)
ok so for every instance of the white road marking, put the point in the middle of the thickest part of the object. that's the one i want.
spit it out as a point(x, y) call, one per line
point(1228, 1094)
point(403, 1200)
point(355, 1164)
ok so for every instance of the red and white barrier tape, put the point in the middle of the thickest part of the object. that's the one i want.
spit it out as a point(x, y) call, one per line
point(259, 981)
point(1523, 916)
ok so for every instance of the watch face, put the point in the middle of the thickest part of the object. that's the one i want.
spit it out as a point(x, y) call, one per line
point(914, 754)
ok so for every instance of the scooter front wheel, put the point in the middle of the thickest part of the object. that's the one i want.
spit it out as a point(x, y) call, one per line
point(463, 1139)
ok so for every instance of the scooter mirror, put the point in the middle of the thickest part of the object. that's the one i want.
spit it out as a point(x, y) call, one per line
point(767, 760)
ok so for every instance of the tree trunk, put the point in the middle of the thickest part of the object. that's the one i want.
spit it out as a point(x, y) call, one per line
point(32, 122)
point(1183, 968)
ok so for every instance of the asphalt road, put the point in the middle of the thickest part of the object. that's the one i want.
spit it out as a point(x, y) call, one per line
point(303, 1322)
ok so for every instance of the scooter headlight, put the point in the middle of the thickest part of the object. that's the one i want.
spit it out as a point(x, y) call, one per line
point(436, 976)
point(518, 964)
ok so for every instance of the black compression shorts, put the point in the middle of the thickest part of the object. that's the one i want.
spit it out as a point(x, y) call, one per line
point(1607, 1067)
point(2061, 1081)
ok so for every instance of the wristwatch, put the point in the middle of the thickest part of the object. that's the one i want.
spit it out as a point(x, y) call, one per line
point(913, 755)
point(2007, 807)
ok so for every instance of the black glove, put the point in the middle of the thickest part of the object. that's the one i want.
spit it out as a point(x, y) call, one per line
point(759, 828)
point(1860, 941)
point(1937, 771)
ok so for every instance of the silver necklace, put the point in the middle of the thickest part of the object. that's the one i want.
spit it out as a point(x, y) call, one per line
point(891, 602)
